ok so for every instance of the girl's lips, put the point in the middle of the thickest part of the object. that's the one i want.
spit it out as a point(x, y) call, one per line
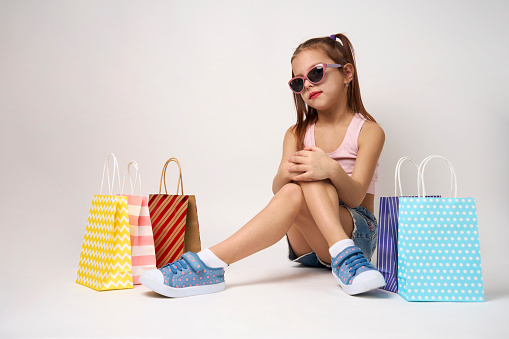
point(314, 95)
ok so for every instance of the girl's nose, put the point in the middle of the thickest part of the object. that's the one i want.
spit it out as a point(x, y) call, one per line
point(307, 84)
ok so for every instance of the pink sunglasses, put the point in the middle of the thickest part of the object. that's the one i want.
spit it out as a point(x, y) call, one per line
point(315, 76)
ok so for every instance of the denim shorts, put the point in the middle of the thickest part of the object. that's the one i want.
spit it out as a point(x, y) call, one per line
point(364, 235)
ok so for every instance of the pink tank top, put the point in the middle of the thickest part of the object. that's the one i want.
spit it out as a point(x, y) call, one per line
point(346, 154)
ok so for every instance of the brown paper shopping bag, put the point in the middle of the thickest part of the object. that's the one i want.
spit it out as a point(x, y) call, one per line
point(174, 221)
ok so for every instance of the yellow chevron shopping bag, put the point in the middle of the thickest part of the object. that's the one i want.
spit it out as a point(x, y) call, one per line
point(105, 260)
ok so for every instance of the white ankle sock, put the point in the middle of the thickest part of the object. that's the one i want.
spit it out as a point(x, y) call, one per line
point(211, 260)
point(340, 246)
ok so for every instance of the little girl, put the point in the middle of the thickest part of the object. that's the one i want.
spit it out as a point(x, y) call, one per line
point(323, 190)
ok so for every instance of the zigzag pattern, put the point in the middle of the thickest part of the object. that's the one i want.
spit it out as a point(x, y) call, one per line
point(103, 270)
point(115, 282)
point(105, 260)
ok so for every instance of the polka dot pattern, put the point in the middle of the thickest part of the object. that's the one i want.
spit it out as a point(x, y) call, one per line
point(438, 250)
point(195, 274)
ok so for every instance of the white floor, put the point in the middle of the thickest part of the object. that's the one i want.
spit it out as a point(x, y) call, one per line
point(266, 297)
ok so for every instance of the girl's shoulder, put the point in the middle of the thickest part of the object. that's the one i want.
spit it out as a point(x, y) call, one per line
point(371, 132)
point(291, 135)
point(290, 141)
point(291, 131)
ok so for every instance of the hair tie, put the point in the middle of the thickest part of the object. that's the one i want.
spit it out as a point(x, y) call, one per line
point(333, 37)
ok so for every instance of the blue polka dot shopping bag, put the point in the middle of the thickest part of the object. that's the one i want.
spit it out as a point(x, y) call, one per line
point(438, 247)
point(387, 243)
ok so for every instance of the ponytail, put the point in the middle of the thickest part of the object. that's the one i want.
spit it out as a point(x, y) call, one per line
point(354, 99)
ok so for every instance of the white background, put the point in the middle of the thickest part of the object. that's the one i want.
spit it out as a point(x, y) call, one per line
point(206, 82)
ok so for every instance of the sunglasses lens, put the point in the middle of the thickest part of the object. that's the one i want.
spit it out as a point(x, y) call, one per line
point(297, 85)
point(316, 74)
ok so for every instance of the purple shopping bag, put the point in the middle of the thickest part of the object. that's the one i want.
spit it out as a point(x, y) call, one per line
point(387, 247)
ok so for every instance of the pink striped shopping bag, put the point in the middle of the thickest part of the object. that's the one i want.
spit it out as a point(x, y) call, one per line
point(142, 239)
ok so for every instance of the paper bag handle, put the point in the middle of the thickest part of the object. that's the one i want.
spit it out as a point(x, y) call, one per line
point(397, 176)
point(136, 179)
point(163, 177)
point(422, 166)
point(106, 169)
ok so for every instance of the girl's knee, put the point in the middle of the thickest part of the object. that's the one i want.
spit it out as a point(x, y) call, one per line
point(291, 192)
point(323, 186)
point(291, 188)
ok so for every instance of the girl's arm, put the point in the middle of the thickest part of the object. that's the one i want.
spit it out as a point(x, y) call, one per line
point(316, 165)
point(283, 176)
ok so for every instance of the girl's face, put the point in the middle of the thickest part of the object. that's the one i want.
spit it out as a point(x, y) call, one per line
point(331, 91)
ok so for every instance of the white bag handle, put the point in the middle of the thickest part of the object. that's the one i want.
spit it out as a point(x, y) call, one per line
point(422, 166)
point(107, 170)
point(137, 177)
point(397, 176)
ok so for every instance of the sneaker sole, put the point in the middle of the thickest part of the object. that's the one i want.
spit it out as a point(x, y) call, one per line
point(365, 286)
point(173, 292)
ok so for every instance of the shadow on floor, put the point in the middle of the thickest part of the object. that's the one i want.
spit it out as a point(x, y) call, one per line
point(271, 277)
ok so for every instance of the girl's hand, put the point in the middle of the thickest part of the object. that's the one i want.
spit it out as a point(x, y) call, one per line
point(310, 164)
point(290, 175)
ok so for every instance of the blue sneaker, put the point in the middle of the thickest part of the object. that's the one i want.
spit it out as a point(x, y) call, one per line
point(354, 272)
point(184, 277)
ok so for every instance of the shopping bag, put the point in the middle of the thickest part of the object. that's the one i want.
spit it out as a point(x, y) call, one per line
point(387, 243)
point(105, 259)
point(143, 255)
point(174, 221)
point(439, 254)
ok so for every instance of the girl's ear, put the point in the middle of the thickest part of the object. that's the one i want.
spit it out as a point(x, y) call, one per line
point(348, 72)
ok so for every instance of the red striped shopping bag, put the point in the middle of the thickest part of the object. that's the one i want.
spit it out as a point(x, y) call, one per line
point(142, 240)
point(174, 221)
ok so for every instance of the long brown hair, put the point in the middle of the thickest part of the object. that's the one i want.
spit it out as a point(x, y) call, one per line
point(341, 53)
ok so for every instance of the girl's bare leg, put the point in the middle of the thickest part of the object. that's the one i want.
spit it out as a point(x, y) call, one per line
point(305, 235)
point(323, 204)
point(276, 219)
point(265, 229)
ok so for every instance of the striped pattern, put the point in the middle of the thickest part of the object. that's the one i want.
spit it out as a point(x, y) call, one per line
point(168, 214)
point(105, 260)
point(142, 240)
point(387, 246)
